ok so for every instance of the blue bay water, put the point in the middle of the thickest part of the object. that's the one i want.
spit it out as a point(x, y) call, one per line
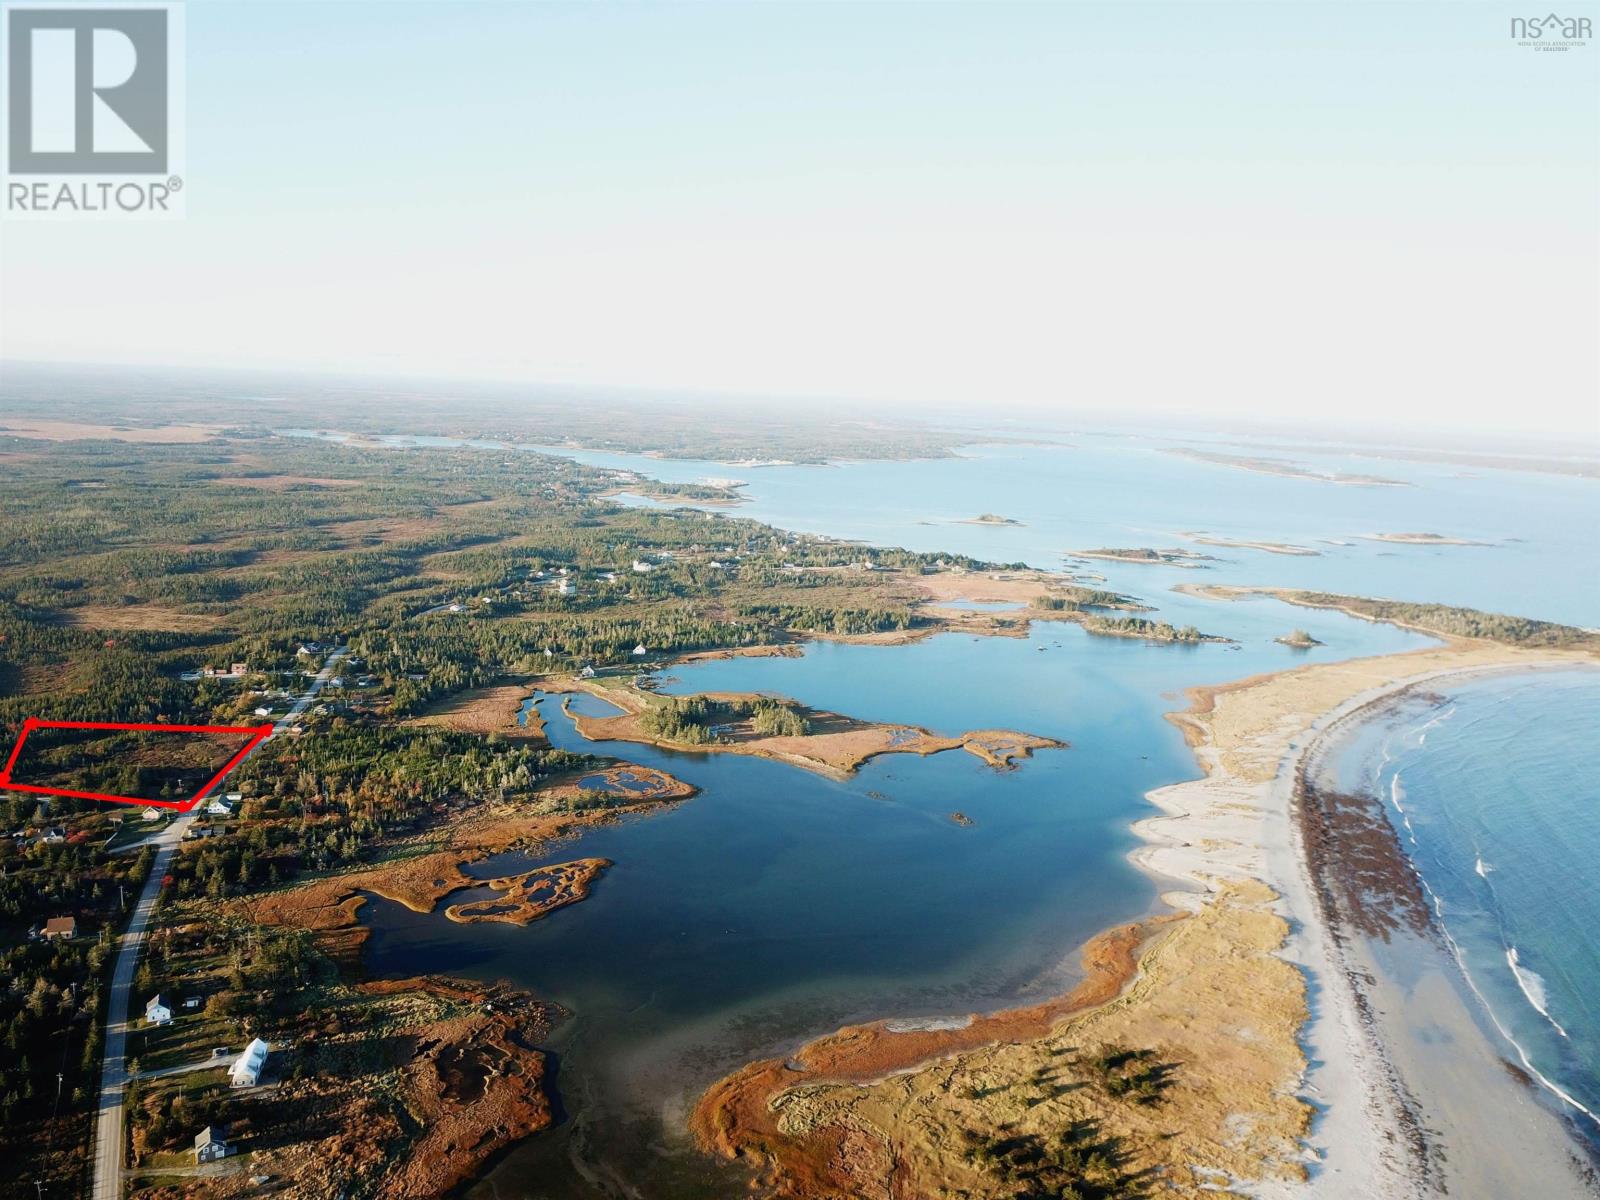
point(1496, 792)
point(778, 904)
point(1542, 532)
point(1541, 556)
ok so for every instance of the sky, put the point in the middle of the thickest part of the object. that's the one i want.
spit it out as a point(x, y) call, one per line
point(1364, 212)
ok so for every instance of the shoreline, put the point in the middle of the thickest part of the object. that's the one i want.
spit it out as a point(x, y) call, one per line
point(835, 747)
point(1307, 1060)
point(1371, 1074)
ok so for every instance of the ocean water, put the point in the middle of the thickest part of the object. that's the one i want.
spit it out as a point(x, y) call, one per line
point(1540, 533)
point(778, 904)
point(1494, 786)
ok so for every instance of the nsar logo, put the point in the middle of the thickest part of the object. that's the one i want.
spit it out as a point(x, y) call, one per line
point(1551, 32)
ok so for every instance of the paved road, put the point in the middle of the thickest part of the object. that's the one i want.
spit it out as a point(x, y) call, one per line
point(108, 1139)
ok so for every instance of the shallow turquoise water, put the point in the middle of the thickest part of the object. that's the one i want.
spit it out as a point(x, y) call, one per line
point(1495, 788)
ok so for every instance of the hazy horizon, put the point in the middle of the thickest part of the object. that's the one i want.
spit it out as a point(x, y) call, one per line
point(386, 393)
point(1212, 212)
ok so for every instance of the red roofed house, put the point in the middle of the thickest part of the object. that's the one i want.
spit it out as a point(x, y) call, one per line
point(60, 927)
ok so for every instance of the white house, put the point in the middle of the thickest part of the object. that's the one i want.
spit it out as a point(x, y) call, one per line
point(233, 797)
point(263, 712)
point(640, 651)
point(150, 814)
point(156, 1012)
point(209, 1144)
point(246, 1069)
point(642, 567)
point(587, 672)
point(219, 807)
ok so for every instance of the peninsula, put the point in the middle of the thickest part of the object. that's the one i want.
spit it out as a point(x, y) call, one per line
point(1128, 1063)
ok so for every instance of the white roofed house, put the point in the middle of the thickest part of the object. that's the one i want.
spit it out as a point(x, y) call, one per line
point(157, 1012)
point(640, 650)
point(220, 806)
point(246, 1069)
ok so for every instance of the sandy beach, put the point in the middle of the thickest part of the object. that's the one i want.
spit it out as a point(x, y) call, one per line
point(1412, 1099)
point(1303, 1059)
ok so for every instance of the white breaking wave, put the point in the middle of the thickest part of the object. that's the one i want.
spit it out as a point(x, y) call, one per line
point(1532, 985)
point(1482, 868)
point(1397, 794)
point(1422, 733)
point(1545, 1081)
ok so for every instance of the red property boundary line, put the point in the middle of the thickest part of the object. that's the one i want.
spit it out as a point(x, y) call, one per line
point(256, 733)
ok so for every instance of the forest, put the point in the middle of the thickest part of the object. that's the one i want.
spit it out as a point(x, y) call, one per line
point(187, 583)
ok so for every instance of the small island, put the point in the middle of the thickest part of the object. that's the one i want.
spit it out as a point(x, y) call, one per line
point(1298, 638)
point(1421, 539)
point(1284, 467)
point(533, 894)
point(1208, 539)
point(990, 519)
point(1147, 630)
point(1174, 557)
